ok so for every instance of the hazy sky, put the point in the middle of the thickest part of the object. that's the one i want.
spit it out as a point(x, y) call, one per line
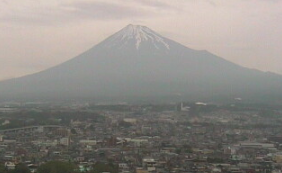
point(37, 34)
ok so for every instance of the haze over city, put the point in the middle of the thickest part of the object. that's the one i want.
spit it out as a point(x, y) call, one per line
point(36, 36)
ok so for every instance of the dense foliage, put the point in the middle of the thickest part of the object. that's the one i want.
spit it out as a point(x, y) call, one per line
point(102, 167)
point(20, 168)
point(57, 167)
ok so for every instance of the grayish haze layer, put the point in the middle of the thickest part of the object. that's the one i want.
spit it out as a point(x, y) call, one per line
point(38, 35)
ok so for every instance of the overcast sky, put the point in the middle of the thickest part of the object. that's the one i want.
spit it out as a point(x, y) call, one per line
point(38, 34)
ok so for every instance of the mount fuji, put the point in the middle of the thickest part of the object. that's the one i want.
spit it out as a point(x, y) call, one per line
point(136, 63)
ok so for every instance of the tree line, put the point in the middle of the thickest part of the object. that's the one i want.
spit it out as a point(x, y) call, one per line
point(62, 167)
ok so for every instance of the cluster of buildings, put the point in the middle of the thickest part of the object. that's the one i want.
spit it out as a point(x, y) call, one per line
point(149, 141)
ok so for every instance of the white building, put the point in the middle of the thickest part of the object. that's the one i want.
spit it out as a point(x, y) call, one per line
point(88, 142)
point(10, 165)
point(65, 141)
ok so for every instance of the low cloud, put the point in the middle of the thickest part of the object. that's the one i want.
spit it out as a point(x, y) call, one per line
point(105, 10)
point(72, 11)
point(155, 4)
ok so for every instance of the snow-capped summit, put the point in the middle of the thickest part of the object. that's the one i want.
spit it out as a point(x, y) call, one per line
point(138, 35)
point(137, 64)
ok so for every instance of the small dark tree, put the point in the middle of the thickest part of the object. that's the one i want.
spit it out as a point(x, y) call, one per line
point(2, 168)
point(102, 167)
point(21, 168)
point(57, 167)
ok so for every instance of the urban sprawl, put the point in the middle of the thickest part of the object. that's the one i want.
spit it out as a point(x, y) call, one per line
point(154, 138)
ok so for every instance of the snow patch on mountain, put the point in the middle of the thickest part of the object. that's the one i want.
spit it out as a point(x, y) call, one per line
point(139, 34)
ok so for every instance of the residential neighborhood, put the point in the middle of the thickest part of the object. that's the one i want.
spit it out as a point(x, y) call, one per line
point(169, 138)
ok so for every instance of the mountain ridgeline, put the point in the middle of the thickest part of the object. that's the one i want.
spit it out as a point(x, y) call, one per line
point(137, 63)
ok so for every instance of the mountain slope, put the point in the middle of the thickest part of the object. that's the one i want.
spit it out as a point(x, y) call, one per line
point(137, 63)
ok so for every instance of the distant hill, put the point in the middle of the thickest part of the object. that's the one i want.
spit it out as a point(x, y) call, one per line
point(137, 63)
